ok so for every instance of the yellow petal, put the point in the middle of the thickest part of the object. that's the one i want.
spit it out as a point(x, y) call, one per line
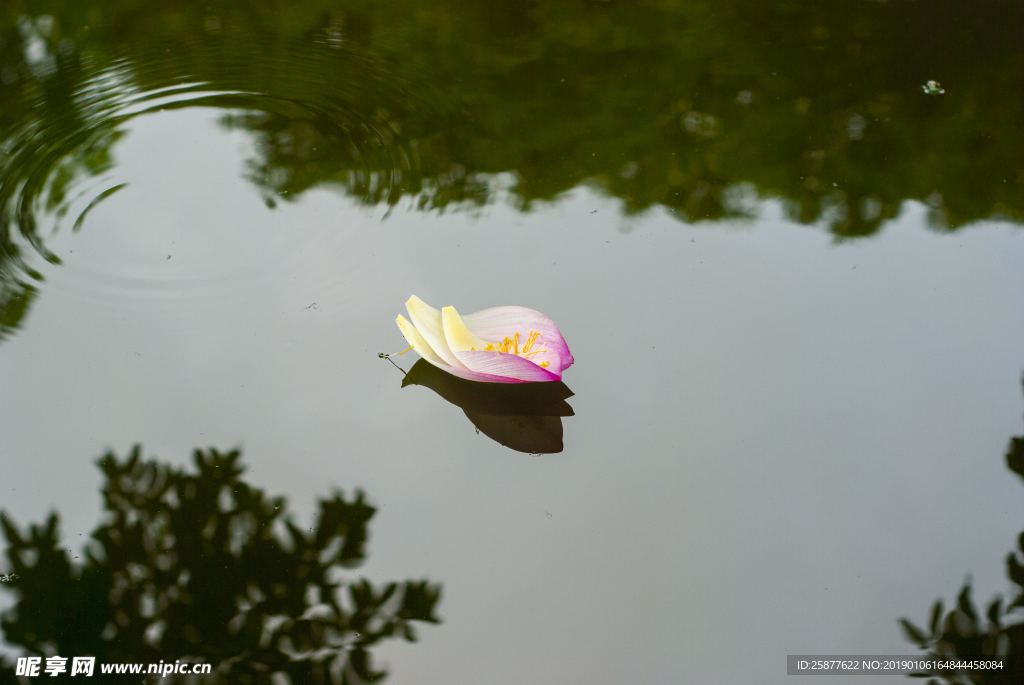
point(418, 343)
point(427, 321)
point(458, 336)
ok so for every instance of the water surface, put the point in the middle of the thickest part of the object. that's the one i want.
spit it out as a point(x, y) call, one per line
point(789, 277)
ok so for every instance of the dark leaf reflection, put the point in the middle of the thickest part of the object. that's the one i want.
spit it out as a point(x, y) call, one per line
point(967, 632)
point(202, 566)
point(701, 108)
point(525, 417)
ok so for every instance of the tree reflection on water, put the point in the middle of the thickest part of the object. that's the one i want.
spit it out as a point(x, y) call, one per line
point(963, 632)
point(699, 107)
point(204, 566)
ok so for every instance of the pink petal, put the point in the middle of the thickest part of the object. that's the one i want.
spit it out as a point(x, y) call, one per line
point(473, 375)
point(506, 366)
point(494, 324)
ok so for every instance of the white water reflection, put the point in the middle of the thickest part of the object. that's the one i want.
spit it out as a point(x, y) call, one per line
point(780, 445)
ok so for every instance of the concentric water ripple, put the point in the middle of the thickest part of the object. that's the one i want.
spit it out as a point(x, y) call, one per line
point(317, 113)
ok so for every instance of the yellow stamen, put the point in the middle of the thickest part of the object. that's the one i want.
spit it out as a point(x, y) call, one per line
point(511, 346)
point(530, 339)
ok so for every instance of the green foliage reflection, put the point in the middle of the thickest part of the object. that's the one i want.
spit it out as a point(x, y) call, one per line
point(964, 632)
point(700, 107)
point(204, 566)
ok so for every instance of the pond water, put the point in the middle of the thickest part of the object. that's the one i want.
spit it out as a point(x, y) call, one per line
point(788, 270)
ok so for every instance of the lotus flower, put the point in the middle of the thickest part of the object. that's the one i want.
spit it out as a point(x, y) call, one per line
point(496, 345)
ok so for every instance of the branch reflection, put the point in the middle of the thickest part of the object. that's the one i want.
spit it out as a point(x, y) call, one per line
point(963, 632)
point(203, 567)
point(525, 417)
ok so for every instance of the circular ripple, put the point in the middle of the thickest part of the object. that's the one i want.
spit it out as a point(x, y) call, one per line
point(318, 113)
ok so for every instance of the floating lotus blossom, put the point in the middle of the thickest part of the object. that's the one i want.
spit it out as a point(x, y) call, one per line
point(496, 345)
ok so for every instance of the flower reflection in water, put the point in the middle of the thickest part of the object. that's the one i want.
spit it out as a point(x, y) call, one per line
point(526, 417)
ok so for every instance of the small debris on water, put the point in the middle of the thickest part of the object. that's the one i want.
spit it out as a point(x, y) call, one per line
point(855, 127)
point(932, 88)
